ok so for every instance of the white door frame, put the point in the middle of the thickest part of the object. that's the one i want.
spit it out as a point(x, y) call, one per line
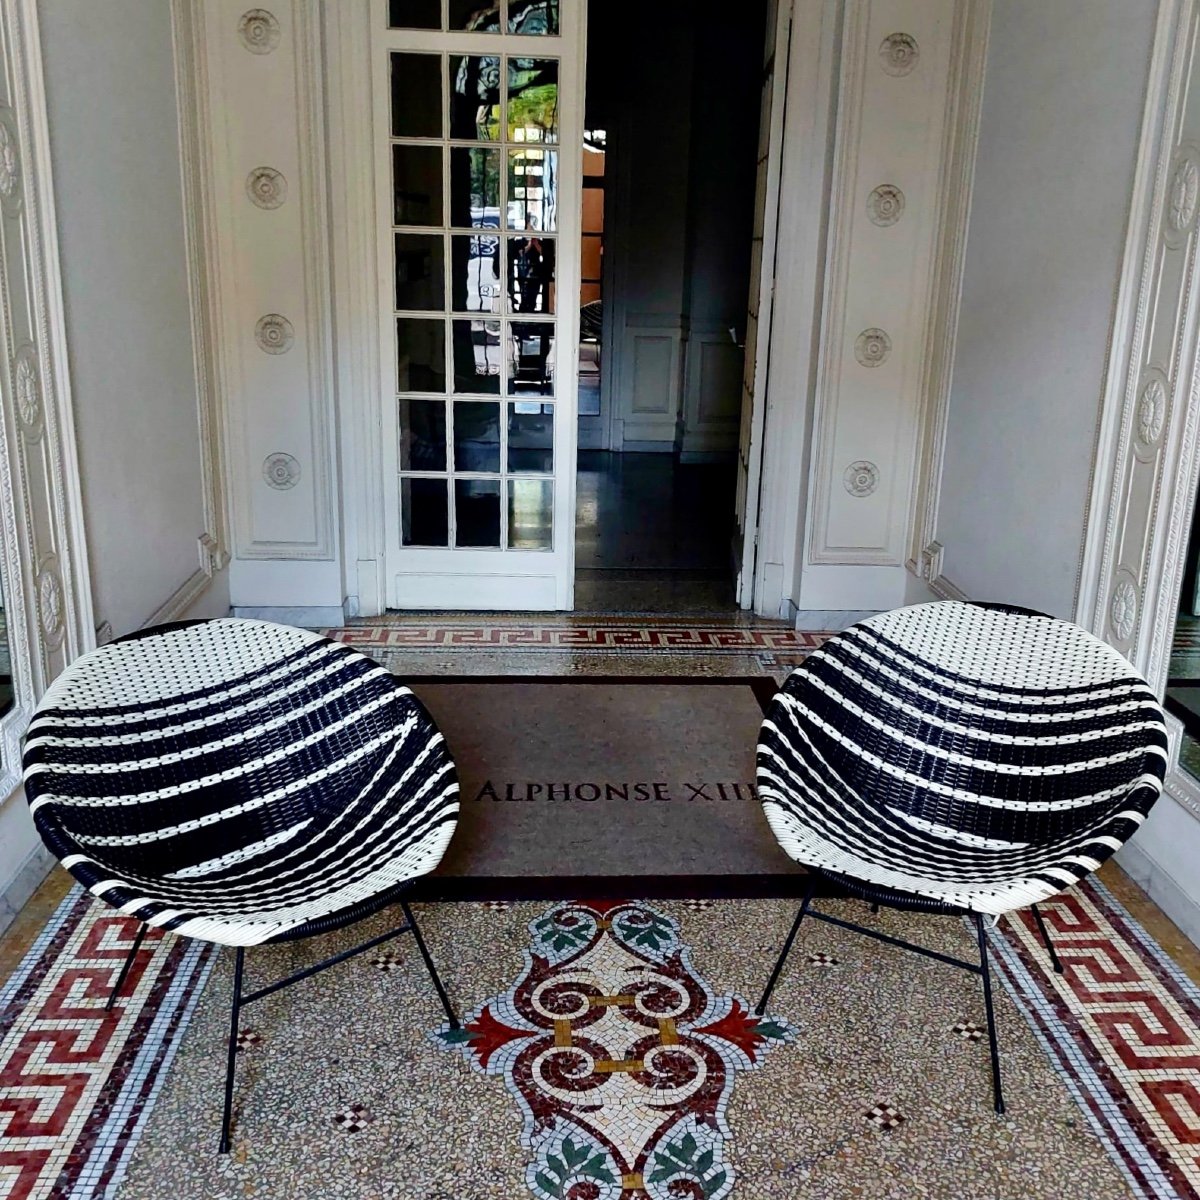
point(358, 271)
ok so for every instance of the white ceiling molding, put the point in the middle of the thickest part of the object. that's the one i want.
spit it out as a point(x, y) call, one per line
point(43, 555)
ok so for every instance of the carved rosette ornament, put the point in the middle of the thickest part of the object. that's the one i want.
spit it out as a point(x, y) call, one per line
point(1122, 609)
point(281, 471)
point(10, 161)
point(1184, 193)
point(861, 478)
point(898, 53)
point(885, 205)
point(50, 602)
point(266, 187)
point(259, 31)
point(274, 334)
point(872, 347)
point(1151, 412)
point(27, 388)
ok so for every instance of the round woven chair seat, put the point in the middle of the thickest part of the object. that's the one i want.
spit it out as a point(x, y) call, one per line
point(238, 781)
point(978, 756)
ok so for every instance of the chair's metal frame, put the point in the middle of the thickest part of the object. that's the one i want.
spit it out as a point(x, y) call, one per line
point(241, 1000)
point(876, 896)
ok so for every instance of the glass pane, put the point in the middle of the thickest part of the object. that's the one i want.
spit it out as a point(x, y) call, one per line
point(420, 355)
point(420, 282)
point(423, 435)
point(533, 100)
point(6, 681)
point(477, 357)
point(476, 15)
point(530, 514)
point(423, 520)
point(417, 95)
point(476, 436)
point(533, 16)
point(474, 188)
point(477, 512)
point(475, 273)
point(533, 189)
point(417, 184)
point(475, 97)
point(531, 358)
point(414, 14)
point(531, 275)
point(531, 438)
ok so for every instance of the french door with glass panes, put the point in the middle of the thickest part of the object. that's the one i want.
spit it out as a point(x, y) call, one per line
point(478, 131)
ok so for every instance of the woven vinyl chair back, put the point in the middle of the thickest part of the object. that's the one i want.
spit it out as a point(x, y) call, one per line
point(927, 709)
point(281, 727)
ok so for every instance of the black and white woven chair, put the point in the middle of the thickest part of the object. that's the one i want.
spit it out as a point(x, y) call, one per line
point(242, 783)
point(962, 759)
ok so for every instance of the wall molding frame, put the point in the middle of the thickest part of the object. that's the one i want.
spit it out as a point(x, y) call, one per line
point(43, 548)
point(1148, 441)
point(969, 68)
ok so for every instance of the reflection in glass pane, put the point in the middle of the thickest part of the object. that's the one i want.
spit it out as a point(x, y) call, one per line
point(533, 16)
point(420, 355)
point(475, 188)
point(477, 512)
point(6, 683)
point(533, 189)
point(475, 273)
point(414, 14)
point(530, 514)
point(531, 275)
point(423, 520)
point(419, 277)
point(477, 357)
point(533, 100)
point(476, 15)
point(531, 438)
point(417, 95)
point(422, 435)
point(476, 436)
point(531, 358)
point(475, 97)
point(417, 184)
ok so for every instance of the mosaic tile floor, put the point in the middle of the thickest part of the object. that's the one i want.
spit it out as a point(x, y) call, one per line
point(869, 1076)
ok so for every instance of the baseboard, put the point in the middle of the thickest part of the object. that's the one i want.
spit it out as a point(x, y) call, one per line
point(1162, 888)
point(27, 880)
point(830, 618)
point(317, 616)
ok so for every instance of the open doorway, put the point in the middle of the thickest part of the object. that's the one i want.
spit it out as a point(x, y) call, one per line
point(670, 167)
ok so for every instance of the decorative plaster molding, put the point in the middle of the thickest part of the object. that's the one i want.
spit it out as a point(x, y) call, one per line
point(872, 347)
point(281, 471)
point(954, 189)
point(259, 31)
point(274, 334)
point(861, 478)
point(266, 187)
point(885, 205)
point(43, 558)
point(1148, 443)
point(898, 53)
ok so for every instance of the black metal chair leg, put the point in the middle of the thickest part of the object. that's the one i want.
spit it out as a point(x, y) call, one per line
point(1037, 916)
point(997, 1094)
point(231, 1060)
point(787, 945)
point(125, 967)
point(437, 983)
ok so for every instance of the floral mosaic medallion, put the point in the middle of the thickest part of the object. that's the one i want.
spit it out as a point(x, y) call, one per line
point(620, 1056)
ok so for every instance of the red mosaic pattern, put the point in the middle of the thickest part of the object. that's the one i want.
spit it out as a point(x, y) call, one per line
point(632, 636)
point(1132, 1019)
point(75, 1081)
point(621, 1057)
